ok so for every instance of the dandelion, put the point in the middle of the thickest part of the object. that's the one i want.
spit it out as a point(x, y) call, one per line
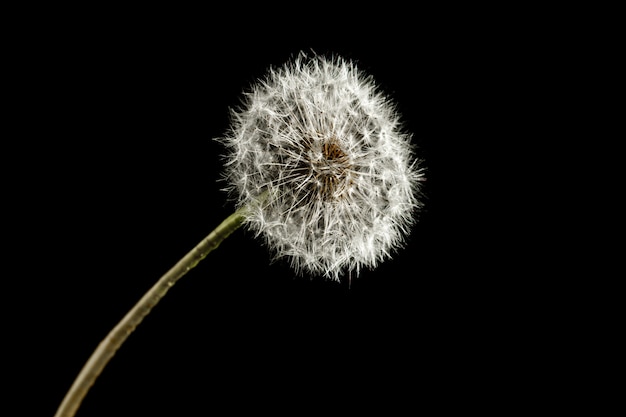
point(327, 149)
point(319, 166)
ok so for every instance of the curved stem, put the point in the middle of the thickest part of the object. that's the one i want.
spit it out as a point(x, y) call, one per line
point(107, 348)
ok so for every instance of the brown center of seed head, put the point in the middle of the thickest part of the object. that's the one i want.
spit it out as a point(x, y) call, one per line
point(331, 171)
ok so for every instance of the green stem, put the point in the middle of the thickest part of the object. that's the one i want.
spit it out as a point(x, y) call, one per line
point(107, 348)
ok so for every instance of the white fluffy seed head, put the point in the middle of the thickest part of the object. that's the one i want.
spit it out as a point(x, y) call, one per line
point(319, 155)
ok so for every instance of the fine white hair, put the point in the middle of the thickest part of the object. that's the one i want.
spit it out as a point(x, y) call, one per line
point(319, 156)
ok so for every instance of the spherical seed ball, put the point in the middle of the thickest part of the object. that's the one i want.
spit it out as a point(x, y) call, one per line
point(319, 156)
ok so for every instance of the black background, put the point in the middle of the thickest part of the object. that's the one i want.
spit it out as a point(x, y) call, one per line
point(121, 171)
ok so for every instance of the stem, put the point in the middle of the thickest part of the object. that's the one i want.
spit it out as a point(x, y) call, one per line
point(107, 348)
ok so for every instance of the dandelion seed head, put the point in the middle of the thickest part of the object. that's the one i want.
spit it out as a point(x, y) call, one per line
point(325, 148)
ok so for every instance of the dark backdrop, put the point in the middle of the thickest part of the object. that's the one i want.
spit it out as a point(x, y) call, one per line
point(123, 171)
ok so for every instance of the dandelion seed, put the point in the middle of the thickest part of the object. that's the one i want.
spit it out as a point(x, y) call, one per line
point(327, 148)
